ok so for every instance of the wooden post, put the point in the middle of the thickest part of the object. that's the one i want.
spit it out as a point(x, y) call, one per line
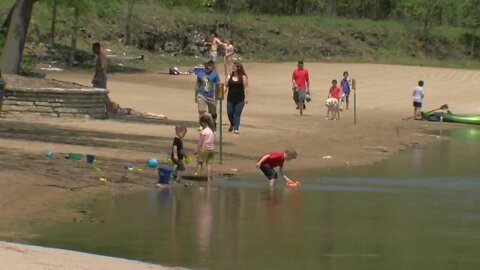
point(219, 95)
point(354, 87)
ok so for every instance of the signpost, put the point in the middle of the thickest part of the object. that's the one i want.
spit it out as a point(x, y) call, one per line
point(354, 87)
point(219, 96)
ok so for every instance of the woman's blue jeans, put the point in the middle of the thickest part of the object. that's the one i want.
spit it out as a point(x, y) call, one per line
point(234, 112)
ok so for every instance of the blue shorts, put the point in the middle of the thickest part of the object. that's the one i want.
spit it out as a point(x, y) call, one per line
point(270, 173)
point(417, 104)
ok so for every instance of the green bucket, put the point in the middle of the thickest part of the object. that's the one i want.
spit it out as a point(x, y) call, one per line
point(74, 156)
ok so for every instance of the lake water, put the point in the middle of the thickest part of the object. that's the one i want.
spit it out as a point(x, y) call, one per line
point(418, 210)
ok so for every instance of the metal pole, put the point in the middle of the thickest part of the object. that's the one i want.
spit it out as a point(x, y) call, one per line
point(354, 86)
point(221, 143)
point(219, 97)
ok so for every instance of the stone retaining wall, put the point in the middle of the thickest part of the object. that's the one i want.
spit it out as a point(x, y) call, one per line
point(57, 102)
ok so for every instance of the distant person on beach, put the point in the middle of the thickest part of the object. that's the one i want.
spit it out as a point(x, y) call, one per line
point(177, 71)
point(213, 46)
point(228, 60)
point(205, 150)
point(418, 95)
point(270, 161)
point(301, 86)
point(178, 153)
point(333, 109)
point(100, 77)
point(345, 86)
point(207, 79)
point(237, 96)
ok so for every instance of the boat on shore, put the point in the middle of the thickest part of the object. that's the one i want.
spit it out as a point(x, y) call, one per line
point(448, 116)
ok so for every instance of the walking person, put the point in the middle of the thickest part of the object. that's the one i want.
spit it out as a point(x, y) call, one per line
point(207, 78)
point(301, 86)
point(228, 60)
point(237, 96)
point(100, 77)
point(418, 95)
point(213, 50)
point(345, 86)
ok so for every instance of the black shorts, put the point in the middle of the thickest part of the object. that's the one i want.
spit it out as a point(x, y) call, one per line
point(417, 104)
point(180, 165)
point(269, 173)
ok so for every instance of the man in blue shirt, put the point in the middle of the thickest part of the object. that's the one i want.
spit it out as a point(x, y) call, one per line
point(207, 80)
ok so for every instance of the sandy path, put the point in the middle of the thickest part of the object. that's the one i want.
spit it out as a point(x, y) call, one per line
point(269, 123)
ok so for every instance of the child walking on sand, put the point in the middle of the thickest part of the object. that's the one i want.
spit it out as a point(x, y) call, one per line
point(206, 145)
point(268, 162)
point(178, 153)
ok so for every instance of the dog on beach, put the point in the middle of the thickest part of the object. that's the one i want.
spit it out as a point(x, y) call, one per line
point(333, 109)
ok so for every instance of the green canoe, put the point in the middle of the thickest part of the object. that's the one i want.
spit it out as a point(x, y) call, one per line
point(451, 117)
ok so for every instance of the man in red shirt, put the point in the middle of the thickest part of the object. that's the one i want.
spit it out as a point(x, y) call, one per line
point(268, 162)
point(301, 86)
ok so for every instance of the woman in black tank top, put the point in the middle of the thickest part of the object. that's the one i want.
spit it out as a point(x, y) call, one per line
point(237, 94)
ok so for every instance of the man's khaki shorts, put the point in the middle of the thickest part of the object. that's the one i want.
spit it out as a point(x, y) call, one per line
point(206, 105)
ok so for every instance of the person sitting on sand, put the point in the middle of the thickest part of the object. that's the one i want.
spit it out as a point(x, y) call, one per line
point(176, 71)
point(115, 109)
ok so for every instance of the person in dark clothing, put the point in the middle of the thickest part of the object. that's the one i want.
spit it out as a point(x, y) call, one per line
point(237, 96)
point(178, 153)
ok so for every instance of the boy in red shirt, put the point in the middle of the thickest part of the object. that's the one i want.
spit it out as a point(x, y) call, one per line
point(301, 86)
point(268, 162)
point(334, 93)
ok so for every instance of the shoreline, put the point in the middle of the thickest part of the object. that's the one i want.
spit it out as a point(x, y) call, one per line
point(269, 123)
point(15, 256)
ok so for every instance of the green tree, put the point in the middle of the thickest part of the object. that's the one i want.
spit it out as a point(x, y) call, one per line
point(471, 12)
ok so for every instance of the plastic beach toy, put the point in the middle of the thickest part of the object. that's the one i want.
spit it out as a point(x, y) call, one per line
point(152, 162)
point(49, 154)
point(293, 183)
point(74, 156)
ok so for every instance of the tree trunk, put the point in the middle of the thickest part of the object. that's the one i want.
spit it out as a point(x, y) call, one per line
point(129, 20)
point(73, 46)
point(473, 43)
point(54, 20)
point(7, 20)
point(17, 34)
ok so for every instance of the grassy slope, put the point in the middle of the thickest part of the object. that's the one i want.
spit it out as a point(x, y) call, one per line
point(261, 37)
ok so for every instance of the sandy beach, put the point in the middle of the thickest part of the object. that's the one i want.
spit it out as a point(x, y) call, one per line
point(269, 123)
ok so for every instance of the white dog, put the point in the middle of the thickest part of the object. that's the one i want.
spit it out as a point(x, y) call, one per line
point(333, 109)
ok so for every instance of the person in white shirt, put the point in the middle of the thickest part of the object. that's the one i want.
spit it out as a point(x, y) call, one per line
point(417, 100)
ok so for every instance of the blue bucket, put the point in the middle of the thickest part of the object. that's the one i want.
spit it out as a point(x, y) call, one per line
point(164, 175)
point(90, 159)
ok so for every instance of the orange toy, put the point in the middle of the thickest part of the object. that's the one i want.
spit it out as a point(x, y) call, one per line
point(293, 183)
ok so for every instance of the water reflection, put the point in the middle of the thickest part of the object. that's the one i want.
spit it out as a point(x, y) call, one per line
point(418, 210)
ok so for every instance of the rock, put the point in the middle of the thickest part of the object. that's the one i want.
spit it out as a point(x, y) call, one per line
point(274, 31)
